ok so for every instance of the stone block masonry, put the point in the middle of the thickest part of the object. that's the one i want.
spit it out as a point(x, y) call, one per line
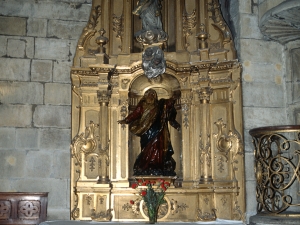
point(37, 44)
point(38, 39)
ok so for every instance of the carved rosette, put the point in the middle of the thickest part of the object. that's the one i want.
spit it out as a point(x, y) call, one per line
point(5, 210)
point(29, 209)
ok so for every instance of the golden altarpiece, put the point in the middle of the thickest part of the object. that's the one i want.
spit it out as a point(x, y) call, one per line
point(108, 80)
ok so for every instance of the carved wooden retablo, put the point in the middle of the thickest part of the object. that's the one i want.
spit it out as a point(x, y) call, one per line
point(197, 63)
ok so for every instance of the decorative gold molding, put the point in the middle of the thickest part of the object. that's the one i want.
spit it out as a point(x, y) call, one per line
point(189, 22)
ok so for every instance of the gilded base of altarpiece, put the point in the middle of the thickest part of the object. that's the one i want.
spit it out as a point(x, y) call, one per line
point(102, 202)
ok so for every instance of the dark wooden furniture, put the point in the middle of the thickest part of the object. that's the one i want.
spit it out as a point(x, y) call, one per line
point(23, 207)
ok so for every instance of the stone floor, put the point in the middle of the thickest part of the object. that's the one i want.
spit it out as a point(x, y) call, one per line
point(274, 220)
point(217, 222)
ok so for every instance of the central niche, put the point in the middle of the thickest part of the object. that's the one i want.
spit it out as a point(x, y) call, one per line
point(165, 86)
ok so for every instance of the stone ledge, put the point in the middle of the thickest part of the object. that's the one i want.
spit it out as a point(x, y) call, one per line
point(273, 220)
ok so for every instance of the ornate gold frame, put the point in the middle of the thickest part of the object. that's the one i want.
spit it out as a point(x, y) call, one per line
point(108, 81)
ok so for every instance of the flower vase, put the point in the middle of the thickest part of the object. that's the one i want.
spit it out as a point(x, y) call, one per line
point(152, 213)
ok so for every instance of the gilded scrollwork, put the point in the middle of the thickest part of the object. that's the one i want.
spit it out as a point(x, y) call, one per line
point(207, 216)
point(231, 142)
point(224, 200)
point(183, 80)
point(124, 83)
point(124, 112)
point(237, 212)
point(84, 142)
point(189, 22)
point(95, 14)
point(75, 211)
point(205, 153)
point(221, 164)
point(102, 216)
point(227, 142)
point(206, 199)
point(90, 29)
point(185, 109)
point(233, 87)
point(118, 27)
point(219, 22)
point(89, 200)
point(176, 207)
point(135, 207)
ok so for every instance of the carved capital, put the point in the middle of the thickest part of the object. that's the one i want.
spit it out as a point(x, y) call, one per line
point(204, 94)
point(104, 96)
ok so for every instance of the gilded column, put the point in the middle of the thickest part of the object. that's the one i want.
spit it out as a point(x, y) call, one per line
point(204, 139)
point(103, 98)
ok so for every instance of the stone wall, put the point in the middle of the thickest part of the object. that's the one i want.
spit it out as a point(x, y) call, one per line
point(266, 80)
point(38, 40)
point(37, 44)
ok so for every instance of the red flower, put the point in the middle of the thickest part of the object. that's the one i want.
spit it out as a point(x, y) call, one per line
point(140, 181)
point(144, 184)
point(131, 202)
point(164, 188)
point(134, 185)
point(143, 193)
point(167, 183)
point(162, 185)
